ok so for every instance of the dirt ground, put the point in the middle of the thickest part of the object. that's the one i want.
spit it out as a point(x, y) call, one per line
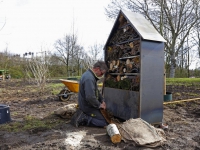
point(183, 120)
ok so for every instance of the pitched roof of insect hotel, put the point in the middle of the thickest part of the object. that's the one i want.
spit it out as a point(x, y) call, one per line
point(141, 25)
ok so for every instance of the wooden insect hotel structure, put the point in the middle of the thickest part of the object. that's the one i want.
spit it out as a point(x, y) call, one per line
point(134, 53)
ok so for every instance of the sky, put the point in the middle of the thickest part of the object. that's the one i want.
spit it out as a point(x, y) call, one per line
point(35, 25)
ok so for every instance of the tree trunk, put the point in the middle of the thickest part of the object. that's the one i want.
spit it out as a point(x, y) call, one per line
point(188, 64)
point(172, 66)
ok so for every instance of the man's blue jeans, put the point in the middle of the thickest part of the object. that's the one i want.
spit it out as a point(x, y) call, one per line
point(97, 122)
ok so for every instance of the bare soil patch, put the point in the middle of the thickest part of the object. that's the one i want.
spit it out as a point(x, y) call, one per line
point(27, 103)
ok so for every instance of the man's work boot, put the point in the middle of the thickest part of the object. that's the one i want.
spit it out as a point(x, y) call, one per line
point(79, 119)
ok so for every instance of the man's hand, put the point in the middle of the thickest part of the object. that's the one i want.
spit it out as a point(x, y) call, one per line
point(103, 105)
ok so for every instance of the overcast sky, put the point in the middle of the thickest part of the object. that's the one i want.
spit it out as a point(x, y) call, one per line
point(32, 24)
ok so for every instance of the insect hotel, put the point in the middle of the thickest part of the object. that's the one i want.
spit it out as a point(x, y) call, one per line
point(134, 53)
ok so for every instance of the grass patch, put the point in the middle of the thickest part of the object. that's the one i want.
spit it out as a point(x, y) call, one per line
point(183, 81)
point(31, 123)
point(14, 113)
point(172, 106)
point(64, 77)
point(2, 90)
point(176, 105)
point(181, 104)
point(177, 94)
point(193, 94)
point(11, 127)
point(55, 87)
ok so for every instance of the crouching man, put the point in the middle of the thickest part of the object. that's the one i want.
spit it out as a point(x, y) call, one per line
point(90, 100)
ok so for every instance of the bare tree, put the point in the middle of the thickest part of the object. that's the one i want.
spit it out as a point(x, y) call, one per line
point(38, 67)
point(74, 56)
point(56, 68)
point(87, 61)
point(3, 25)
point(196, 37)
point(96, 51)
point(169, 17)
point(5, 59)
point(66, 49)
point(78, 60)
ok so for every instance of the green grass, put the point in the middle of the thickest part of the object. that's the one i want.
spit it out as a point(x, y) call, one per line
point(65, 77)
point(31, 123)
point(190, 83)
point(55, 87)
point(193, 94)
point(182, 81)
point(177, 94)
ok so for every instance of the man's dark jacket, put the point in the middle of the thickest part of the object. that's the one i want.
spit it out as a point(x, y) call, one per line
point(89, 97)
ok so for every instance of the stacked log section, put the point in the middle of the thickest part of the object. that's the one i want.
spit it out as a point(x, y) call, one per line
point(123, 58)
